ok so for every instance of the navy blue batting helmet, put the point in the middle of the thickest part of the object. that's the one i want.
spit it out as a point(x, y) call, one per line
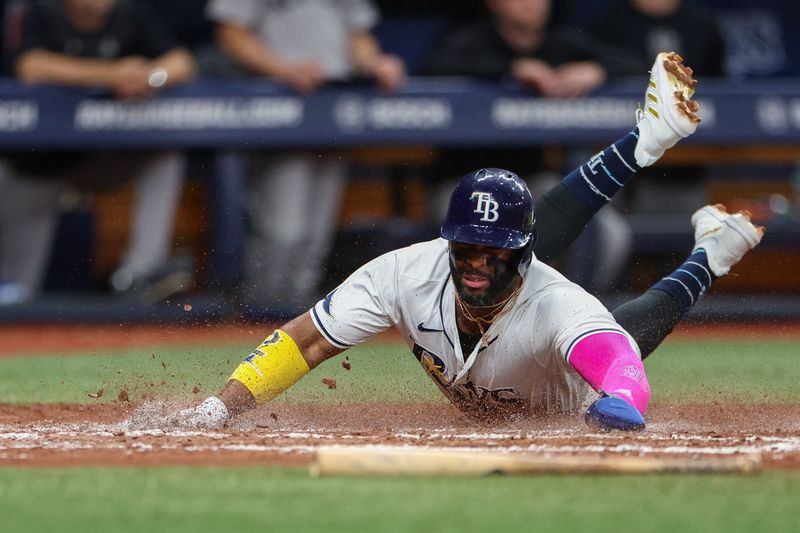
point(492, 207)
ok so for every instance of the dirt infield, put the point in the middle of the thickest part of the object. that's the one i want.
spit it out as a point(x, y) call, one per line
point(124, 435)
point(284, 434)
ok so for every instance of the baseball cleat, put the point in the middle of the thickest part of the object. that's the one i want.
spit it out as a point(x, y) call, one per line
point(725, 237)
point(669, 113)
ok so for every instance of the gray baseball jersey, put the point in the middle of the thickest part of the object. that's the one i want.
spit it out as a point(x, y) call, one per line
point(301, 29)
point(521, 364)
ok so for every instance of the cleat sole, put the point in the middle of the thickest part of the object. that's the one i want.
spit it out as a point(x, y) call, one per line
point(742, 225)
point(680, 76)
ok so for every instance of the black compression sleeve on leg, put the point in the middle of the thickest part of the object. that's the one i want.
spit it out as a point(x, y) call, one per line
point(649, 318)
point(560, 218)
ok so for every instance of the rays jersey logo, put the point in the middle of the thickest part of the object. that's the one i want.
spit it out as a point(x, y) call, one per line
point(486, 205)
point(477, 394)
point(466, 395)
point(433, 365)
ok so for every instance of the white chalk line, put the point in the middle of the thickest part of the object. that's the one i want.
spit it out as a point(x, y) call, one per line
point(71, 437)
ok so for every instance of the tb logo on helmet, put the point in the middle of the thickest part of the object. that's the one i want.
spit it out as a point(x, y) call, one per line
point(486, 205)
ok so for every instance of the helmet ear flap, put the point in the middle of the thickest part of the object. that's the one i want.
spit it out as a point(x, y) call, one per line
point(523, 257)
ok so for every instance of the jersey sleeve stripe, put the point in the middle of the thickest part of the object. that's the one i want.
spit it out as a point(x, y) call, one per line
point(587, 334)
point(325, 333)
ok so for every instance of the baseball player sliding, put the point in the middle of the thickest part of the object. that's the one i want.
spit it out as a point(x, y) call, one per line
point(498, 330)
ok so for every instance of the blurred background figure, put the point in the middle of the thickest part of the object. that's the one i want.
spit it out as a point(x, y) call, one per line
point(646, 27)
point(118, 46)
point(523, 42)
point(295, 195)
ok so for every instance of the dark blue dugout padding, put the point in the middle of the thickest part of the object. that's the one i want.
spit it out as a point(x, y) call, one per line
point(70, 266)
point(253, 114)
point(61, 308)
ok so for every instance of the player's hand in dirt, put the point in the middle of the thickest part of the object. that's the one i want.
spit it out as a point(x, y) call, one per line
point(610, 412)
point(210, 414)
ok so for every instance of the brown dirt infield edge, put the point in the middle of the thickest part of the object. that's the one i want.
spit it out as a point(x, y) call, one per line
point(57, 435)
point(20, 340)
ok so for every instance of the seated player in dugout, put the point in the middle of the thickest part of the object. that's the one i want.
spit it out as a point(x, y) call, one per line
point(498, 330)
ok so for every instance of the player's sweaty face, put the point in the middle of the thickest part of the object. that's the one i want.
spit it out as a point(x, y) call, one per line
point(480, 273)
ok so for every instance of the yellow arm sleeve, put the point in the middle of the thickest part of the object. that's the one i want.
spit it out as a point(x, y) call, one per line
point(273, 367)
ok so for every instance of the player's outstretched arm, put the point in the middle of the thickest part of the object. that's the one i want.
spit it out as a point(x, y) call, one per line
point(279, 362)
point(608, 362)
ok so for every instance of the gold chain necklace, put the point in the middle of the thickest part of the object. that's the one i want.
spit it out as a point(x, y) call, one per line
point(483, 323)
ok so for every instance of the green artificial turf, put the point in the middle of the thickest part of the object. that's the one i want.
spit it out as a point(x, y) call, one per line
point(380, 372)
point(752, 371)
point(177, 499)
point(270, 499)
point(749, 371)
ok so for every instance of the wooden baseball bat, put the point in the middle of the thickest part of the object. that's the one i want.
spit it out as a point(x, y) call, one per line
point(453, 462)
